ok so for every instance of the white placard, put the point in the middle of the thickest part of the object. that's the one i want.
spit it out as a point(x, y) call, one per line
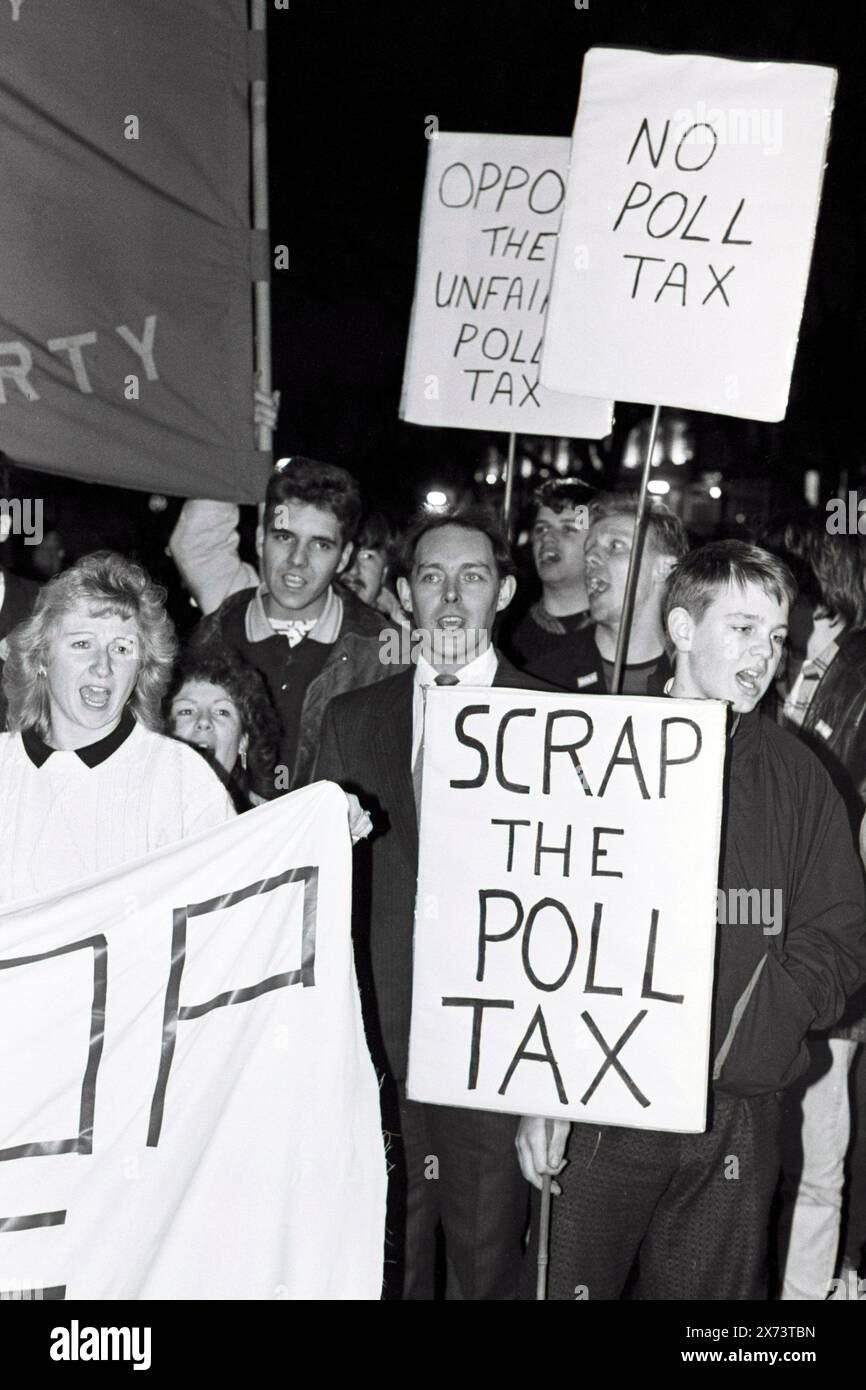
point(492, 206)
point(687, 233)
point(566, 911)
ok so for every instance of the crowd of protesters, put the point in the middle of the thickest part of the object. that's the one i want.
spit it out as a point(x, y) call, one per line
point(285, 680)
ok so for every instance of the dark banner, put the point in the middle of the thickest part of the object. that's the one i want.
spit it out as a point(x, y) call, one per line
point(126, 353)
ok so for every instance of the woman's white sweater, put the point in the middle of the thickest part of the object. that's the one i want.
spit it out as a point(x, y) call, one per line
point(65, 820)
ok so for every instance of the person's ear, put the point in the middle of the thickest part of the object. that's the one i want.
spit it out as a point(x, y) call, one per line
point(260, 538)
point(506, 592)
point(348, 550)
point(681, 629)
point(404, 593)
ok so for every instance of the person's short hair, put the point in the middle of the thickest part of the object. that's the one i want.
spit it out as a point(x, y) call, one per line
point(469, 518)
point(561, 495)
point(663, 527)
point(830, 569)
point(212, 662)
point(322, 485)
point(378, 532)
point(110, 585)
point(698, 578)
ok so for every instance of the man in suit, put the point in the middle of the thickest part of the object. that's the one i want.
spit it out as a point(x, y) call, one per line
point(456, 578)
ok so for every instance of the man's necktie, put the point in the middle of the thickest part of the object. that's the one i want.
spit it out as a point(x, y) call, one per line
point(417, 770)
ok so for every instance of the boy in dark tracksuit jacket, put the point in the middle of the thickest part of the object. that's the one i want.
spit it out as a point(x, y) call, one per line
point(671, 1199)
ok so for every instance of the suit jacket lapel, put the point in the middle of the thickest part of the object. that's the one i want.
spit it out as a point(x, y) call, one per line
point(392, 753)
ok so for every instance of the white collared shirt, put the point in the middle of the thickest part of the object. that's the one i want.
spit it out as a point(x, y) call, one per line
point(325, 628)
point(480, 671)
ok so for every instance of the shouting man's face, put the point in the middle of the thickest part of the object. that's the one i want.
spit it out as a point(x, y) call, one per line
point(732, 651)
point(557, 546)
point(455, 592)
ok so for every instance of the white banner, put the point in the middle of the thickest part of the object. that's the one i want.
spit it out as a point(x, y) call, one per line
point(187, 1106)
point(687, 233)
point(566, 912)
point(492, 206)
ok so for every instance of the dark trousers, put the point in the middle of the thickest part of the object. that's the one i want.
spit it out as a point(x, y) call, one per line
point(693, 1209)
point(462, 1172)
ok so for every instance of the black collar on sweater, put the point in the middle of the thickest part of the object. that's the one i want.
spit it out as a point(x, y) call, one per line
point(38, 751)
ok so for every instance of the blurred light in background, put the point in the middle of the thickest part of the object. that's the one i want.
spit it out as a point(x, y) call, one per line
point(658, 486)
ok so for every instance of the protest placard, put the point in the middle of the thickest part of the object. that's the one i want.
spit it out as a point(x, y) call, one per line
point(491, 211)
point(565, 919)
point(693, 193)
point(126, 327)
point(183, 1043)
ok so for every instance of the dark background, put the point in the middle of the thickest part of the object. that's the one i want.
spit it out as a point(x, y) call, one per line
point(351, 84)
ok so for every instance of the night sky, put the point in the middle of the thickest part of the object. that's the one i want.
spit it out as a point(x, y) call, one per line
point(351, 84)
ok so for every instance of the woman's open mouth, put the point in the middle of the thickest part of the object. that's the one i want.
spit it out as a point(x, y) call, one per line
point(95, 696)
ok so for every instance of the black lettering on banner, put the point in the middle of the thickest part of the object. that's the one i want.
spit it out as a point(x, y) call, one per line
point(484, 187)
point(611, 1058)
point(694, 168)
point(590, 986)
point(599, 853)
point(673, 282)
point(542, 848)
point(559, 194)
point(572, 949)
point(727, 239)
point(508, 186)
point(667, 761)
point(684, 235)
point(719, 284)
point(477, 1006)
point(484, 895)
point(446, 172)
point(500, 749)
point(529, 394)
point(643, 129)
point(647, 992)
point(33, 1221)
point(640, 260)
point(570, 748)
point(677, 216)
point(522, 1055)
point(82, 1143)
point(511, 824)
point(175, 1013)
point(629, 206)
point(626, 736)
point(469, 742)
